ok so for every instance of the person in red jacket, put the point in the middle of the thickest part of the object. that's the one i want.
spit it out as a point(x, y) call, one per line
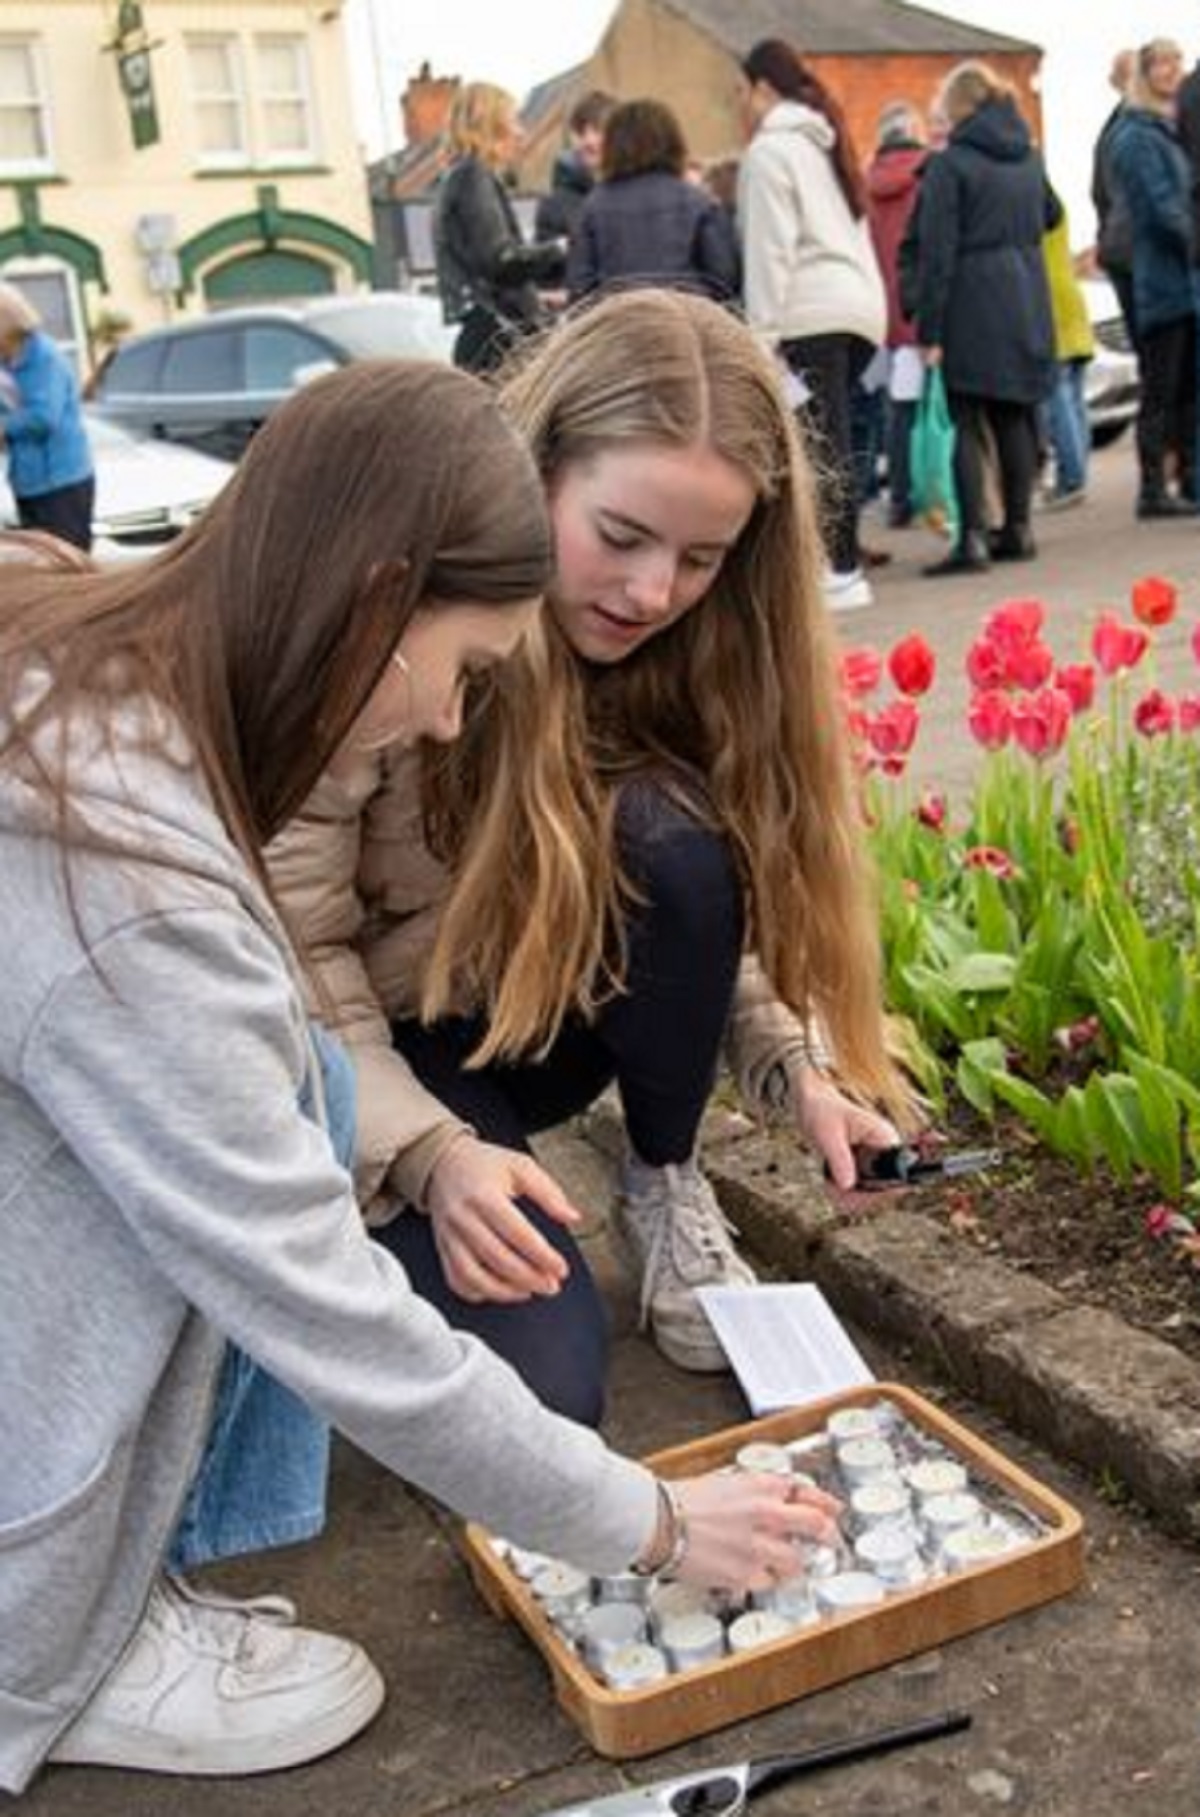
point(893, 178)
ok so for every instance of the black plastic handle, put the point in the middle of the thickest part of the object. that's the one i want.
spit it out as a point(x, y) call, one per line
point(776, 1770)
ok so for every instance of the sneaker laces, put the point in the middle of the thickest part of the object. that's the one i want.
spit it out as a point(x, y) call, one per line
point(696, 1245)
point(245, 1631)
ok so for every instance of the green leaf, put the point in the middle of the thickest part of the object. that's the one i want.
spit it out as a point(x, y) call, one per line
point(982, 972)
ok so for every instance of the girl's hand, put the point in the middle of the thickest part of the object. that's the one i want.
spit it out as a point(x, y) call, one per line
point(488, 1247)
point(742, 1529)
point(835, 1126)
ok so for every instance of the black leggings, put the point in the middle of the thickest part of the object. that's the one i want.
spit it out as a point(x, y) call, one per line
point(831, 366)
point(65, 512)
point(659, 1041)
point(1013, 429)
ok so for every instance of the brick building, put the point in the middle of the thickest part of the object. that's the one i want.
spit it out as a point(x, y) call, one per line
point(686, 53)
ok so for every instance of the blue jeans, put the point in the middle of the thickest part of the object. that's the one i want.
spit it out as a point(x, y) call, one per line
point(1067, 428)
point(262, 1479)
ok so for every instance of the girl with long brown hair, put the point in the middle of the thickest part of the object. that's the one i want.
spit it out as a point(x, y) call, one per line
point(700, 885)
point(180, 1237)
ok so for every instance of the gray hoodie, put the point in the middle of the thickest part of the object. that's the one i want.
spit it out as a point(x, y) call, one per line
point(160, 1193)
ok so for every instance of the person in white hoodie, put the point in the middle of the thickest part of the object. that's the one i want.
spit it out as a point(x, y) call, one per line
point(813, 289)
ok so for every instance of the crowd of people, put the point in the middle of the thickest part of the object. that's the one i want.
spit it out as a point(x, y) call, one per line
point(948, 248)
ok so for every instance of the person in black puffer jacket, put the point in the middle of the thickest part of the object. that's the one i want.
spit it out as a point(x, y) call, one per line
point(983, 304)
point(574, 175)
point(644, 223)
point(488, 276)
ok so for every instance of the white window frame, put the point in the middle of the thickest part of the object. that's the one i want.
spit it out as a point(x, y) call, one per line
point(303, 97)
point(25, 272)
point(241, 157)
point(39, 100)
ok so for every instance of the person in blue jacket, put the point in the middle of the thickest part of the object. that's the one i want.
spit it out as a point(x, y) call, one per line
point(41, 419)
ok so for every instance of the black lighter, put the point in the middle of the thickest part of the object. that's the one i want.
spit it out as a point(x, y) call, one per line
point(881, 1168)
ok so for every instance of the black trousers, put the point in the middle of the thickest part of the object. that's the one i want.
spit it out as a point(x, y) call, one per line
point(1013, 431)
point(1166, 421)
point(831, 366)
point(659, 1041)
point(66, 512)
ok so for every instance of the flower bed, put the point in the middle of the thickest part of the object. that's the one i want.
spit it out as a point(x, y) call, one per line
point(1040, 943)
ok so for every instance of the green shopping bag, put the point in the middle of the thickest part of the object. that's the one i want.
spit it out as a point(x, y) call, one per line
point(931, 457)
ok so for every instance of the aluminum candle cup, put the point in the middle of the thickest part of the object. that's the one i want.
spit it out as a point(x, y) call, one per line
point(792, 1599)
point(882, 1501)
point(609, 1625)
point(630, 1667)
point(622, 1586)
point(854, 1422)
point(562, 1591)
point(526, 1564)
point(757, 1629)
point(941, 1514)
point(764, 1460)
point(860, 1460)
point(848, 1591)
point(691, 1640)
point(669, 1600)
point(935, 1476)
point(812, 1455)
point(967, 1546)
point(891, 1554)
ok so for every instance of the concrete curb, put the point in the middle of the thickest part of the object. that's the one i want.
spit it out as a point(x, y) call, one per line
point(1091, 1389)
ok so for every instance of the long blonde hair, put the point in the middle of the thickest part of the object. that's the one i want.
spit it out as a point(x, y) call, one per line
point(736, 706)
point(481, 118)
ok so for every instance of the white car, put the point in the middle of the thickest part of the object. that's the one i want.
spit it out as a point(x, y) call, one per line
point(147, 490)
point(1110, 382)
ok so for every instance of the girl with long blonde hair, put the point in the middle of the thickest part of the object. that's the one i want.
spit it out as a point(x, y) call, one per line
point(694, 879)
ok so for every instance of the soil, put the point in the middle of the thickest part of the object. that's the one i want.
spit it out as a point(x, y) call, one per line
point(1083, 1234)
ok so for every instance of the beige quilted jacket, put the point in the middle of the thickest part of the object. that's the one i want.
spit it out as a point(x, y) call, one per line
point(361, 893)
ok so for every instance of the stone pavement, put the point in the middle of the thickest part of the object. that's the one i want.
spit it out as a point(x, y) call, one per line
point(1087, 1707)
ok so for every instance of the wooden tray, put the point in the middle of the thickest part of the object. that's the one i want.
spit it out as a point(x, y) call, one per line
point(625, 1724)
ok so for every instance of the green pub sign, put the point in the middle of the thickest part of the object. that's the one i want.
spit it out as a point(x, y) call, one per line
point(133, 67)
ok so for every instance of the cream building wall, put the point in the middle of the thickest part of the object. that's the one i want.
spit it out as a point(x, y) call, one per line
point(214, 206)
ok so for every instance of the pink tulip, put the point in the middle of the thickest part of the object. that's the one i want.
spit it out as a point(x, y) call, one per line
point(1116, 646)
point(1016, 622)
point(862, 670)
point(989, 717)
point(1078, 681)
point(1030, 664)
point(1189, 712)
point(893, 728)
point(986, 664)
point(931, 810)
point(1040, 721)
point(1154, 714)
point(990, 858)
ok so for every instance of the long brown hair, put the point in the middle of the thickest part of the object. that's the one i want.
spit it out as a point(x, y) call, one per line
point(264, 629)
point(738, 701)
point(774, 61)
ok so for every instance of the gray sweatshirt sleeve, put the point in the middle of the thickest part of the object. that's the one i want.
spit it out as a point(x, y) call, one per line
point(171, 1066)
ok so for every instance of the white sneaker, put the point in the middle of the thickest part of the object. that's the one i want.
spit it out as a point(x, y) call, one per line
point(676, 1237)
point(848, 590)
point(209, 1684)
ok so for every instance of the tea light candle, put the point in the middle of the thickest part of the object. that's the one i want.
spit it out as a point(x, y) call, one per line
point(764, 1460)
point(792, 1599)
point(562, 1590)
point(891, 1555)
point(757, 1629)
point(935, 1476)
point(691, 1640)
point(669, 1600)
point(943, 1513)
point(967, 1546)
point(853, 1422)
point(848, 1591)
point(630, 1667)
point(606, 1626)
point(860, 1459)
point(821, 1561)
point(622, 1586)
point(881, 1502)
